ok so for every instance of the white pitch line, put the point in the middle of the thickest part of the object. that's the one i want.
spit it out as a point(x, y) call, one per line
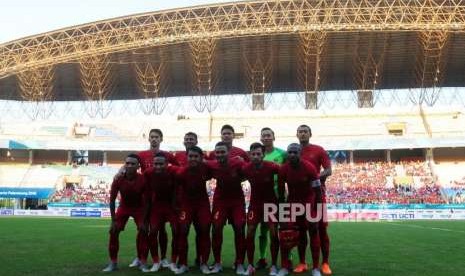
point(423, 227)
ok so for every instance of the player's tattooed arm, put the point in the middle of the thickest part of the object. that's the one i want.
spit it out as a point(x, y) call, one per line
point(113, 227)
point(113, 194)
point(316, 186)
point(325, 173)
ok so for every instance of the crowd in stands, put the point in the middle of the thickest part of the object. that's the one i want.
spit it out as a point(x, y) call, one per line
point(378, 195)
point(455, 192)
point(455, 195)
point(375, 182)
point(79, 194)
point(363, 182)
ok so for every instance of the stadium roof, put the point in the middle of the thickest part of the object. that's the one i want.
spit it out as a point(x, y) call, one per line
point(250, 47)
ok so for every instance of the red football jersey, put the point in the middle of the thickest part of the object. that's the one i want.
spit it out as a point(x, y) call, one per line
point(233, 152)
point(261, 181)
point(161, 187)
point(192, 183)
point(131, 191)
point(298, 180)
point(181, 158)
point(316, 155)
point(146, 157)
point(228, 179)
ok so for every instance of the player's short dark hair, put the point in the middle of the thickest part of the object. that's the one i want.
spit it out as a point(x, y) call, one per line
point(157, 131)
point(133, 155)
point(227, 127)
point(190, 133)
point(306, 126)
point(196, 149)
point(294, 145)
point(257, 145)
point(265, 129)
point(159, 154)
point(220, 144)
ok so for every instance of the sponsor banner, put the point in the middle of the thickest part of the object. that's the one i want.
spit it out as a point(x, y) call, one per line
point(106, 213)
point(422, 214)
point(440, 214)
point(344, 206)
point(333, 215)
point(345, 215)
point(397, 216)
point(76, 205)
point(86, 213)
point(44, 213)
point(38, 193)
point(6, 212)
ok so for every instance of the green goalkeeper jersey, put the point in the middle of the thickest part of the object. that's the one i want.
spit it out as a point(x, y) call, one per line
point(277, 156)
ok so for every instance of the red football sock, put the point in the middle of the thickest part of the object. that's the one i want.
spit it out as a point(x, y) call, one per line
point(250, 248)
point(142, 247)
point(302, 246)
point(285, 263)
point(315, 248)
point(204, 243)
point(153, 245)
point(274, 248)
point(324, 240)
point(113, 247)
point(239, 242)
point(217, 242)
point(183, 244)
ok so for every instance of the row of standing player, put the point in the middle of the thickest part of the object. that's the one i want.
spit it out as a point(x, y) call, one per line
point(196, 209)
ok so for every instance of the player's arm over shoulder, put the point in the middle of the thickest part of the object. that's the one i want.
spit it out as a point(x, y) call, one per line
point(275, 167)
point(114, 189)
point(311, 170)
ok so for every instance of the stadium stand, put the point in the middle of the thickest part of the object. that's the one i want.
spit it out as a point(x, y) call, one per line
point(381, 182)
point(370, 179)
point(12, 175)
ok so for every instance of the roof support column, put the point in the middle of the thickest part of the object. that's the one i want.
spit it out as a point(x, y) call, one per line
point(205, 74)
point(430, 63)
point(368, 66)
point(258, 60)
point(311, 57)
point(36, 87)
point(97, 81)
point(152, 82)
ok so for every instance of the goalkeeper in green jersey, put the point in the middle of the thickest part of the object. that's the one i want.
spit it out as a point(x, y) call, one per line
point(277, 156)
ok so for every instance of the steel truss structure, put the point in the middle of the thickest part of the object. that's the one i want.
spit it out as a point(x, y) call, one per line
point(204, 71)
point(312, 50)
point(152, 82)
point(257, 58)
point(309, 25)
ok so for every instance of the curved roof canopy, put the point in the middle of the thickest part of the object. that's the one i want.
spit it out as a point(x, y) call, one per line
point(251, 47)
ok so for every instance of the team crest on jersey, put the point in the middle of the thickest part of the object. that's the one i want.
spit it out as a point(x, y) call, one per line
point(182, 215)
point(250, 215)
point(217, 215)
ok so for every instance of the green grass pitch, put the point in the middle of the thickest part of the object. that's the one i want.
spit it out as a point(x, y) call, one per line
point(58, 246)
